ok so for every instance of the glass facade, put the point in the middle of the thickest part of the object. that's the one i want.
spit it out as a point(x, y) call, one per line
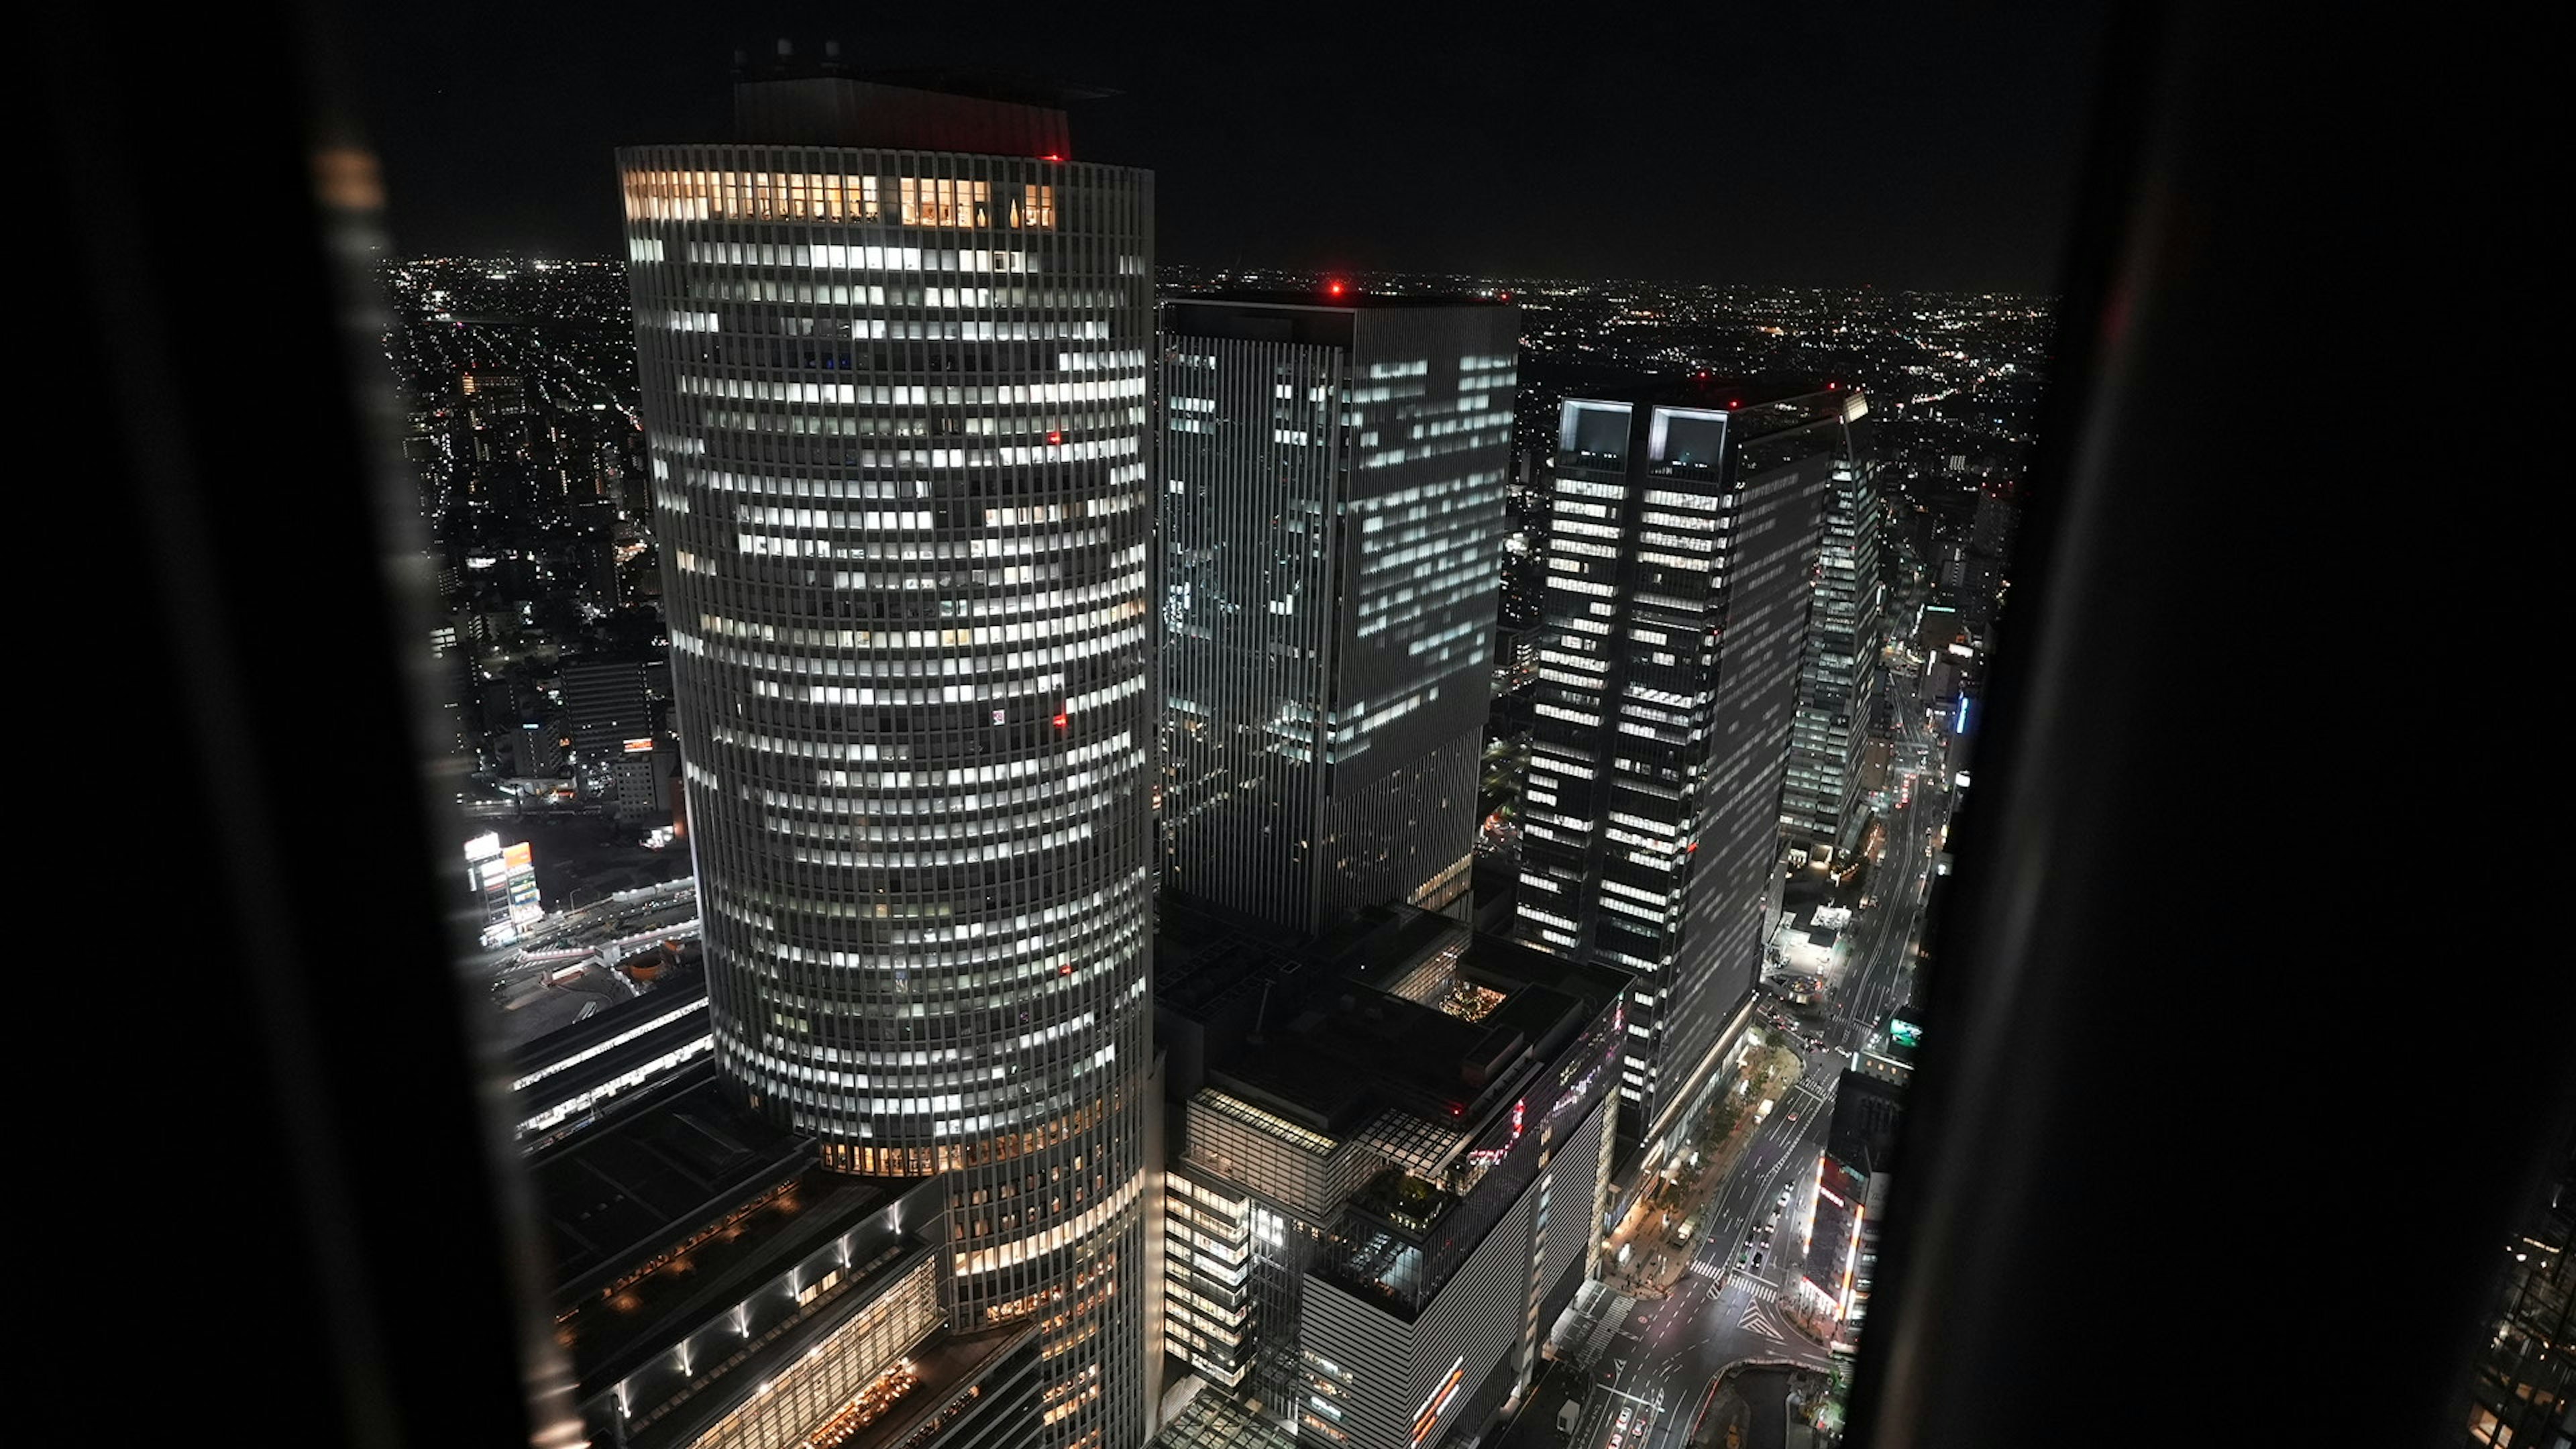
point(1332, 524)
point(2522, 1388)
point(1682, 537)
point(896, 411)
point(1838, 685)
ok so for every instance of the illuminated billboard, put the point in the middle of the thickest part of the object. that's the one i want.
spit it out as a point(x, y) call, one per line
point(639, 747)
point(522, 882)
point(506, 875)
point(1904, 1033)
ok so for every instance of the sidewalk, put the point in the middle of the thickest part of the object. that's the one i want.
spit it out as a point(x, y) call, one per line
point(1659, 1259)
point(1812, 1319)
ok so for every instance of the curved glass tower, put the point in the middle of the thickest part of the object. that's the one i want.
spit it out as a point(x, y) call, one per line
point(896, 399)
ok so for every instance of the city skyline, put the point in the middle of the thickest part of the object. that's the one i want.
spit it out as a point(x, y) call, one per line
point(873, 746)
point(1945, 147)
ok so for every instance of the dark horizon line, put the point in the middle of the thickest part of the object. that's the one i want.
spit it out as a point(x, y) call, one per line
point(1355, 272)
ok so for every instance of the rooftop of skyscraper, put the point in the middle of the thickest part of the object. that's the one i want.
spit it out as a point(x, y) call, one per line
point(1349, 297)
point(1401, 1008)
point(1762, 404)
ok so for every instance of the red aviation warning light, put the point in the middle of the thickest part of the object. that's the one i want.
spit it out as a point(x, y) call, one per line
point(1062, 719)
point(1333, 288)
point(1054, 438)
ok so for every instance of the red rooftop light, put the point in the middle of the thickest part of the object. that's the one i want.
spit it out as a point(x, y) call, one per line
point(1054, 437)
point(1333, 289)
point(1051, 156)
point(1062, 720)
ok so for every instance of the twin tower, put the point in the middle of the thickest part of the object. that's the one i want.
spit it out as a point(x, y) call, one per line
point(933, 659)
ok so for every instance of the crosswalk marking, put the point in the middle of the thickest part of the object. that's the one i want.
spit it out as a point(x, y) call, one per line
point(1758, 1321)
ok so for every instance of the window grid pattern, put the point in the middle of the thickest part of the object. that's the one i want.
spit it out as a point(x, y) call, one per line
point(862, 1358)
point(1378, 1378)
point(1838, 682)
point(1664, 716)
point(1310, 1173)
point(1332, 507)
point(895, 415)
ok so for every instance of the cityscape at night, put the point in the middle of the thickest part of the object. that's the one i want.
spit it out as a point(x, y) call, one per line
point(1158, 743)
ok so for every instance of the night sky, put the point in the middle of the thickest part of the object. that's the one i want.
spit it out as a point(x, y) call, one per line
point(1899, 145)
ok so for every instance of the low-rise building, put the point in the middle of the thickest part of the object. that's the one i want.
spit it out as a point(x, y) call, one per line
point(1849, 1205)
point(717, 1288)
point(1391, 1166)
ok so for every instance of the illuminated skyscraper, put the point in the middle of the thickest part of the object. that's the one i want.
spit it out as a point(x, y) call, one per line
point(1682, 535)
point(1838, 684)
point(893, 350)
point(1332, 526)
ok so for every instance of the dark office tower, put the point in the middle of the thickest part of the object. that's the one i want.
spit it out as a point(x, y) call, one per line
point(460, 701)
point(605, 706)
point(893, 350)
point(1997, 519)
point(1682, 534)
point(1332, 527)
point(1838, 684)
point(1984, 569)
